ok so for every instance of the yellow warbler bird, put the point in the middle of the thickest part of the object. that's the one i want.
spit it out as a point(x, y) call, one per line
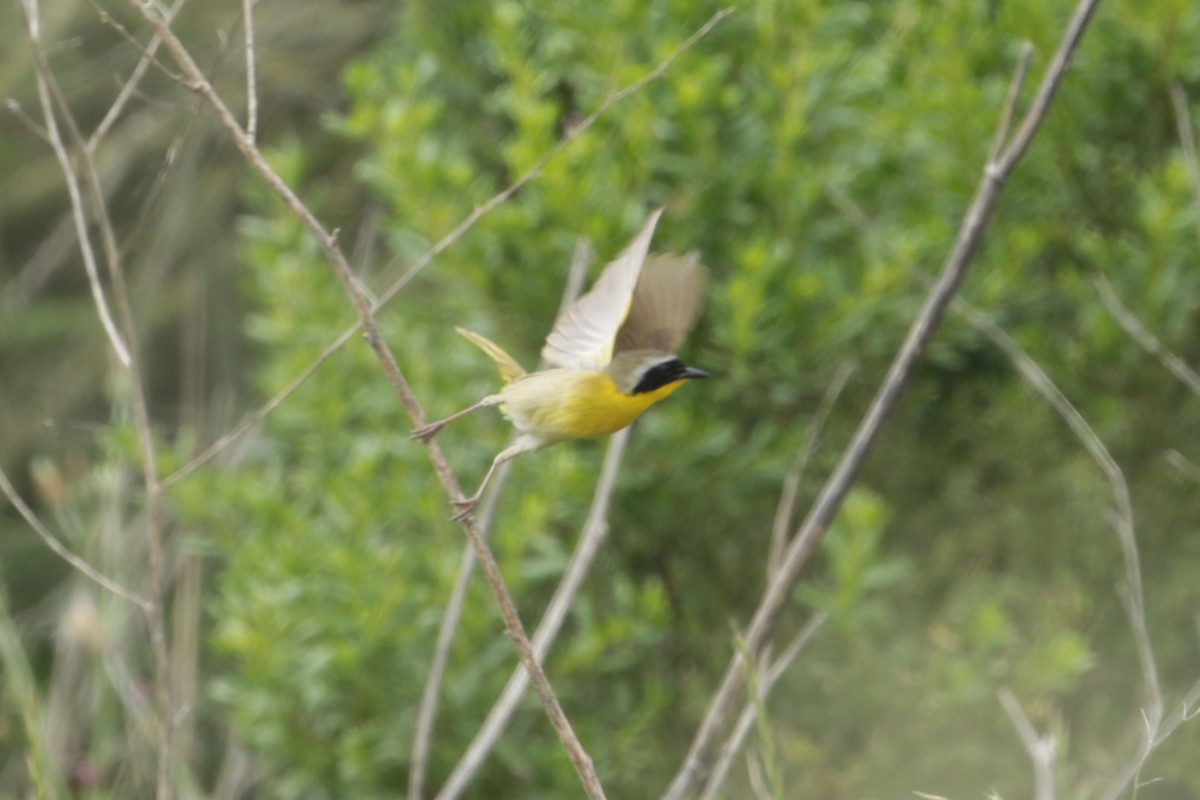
point(611, 356)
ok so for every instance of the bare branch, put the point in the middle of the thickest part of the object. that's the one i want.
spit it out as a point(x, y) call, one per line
point(1049, 87)
point(445, 243)
point(1180, 462)
point(127, 91)
point(1187, 140)
point(423, 737)
point(1188, 709)
point(595, 531)
point(148, 53)
point(1039, 748)
point(327, 241)
point(48, 90)
point(766, 682)
point(258, 415)
point(73, 191)
point(31, 124)
point(64, 552)
point(696, 766)
point(1133, 326)
point(1010, 101)
point(1121, 516)
point(251, 82)
point(791, 484)
point(1123, 524)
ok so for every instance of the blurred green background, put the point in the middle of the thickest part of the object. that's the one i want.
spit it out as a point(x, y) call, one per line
point(820, 156)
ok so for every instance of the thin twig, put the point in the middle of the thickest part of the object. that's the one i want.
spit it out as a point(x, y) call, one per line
point(1187, 710)
point(337, 260)
point(49, 90)
point(64, 552)
point(1122, 520)
point(1149, 342)
point(456, 233)
point(251, 82)
point(791, 483)
point(1010, 101)
point(148, 53)
point(426, 715)
point(77, 207)
point(1039, 748)
point(570, 135)
point(32, 125)
point(1187, 140)
point(766, 682)
point(1180, 462)
point(258, 415)
point(130, 86)
point(1121, 516)
point(1049, 86)
point(595, 531)
point(698, 762)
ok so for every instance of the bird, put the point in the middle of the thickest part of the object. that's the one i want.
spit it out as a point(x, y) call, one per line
point(610, 356)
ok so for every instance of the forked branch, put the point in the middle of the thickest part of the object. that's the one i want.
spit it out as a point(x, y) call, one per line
point(1006, 155)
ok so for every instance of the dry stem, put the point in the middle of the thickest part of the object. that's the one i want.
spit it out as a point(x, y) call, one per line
point(791, 483)
point(423, 736)
point(699, 760)
point(769, 675)
point(1039, 748)
point(64, 552)
point(441, 246)
point(1149, 342)
point(50, 97)
point(328, 244)
point(595, 531)
point(251, 82)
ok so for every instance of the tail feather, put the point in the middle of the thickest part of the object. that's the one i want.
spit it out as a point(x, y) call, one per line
point(510, 370)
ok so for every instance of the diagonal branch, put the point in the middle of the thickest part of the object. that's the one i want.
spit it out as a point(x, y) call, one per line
point(1039, 748)
point(64, 552)
point(1121, 516)
point(769, 675)
point(786, 506)
point(442, 245)
point(131, 84)
point(77, 207)
point(423, 736)
point(1149, 342)
point(51, 96)
point(698, 762)
point(327, 242)
point(595, 532)
point(1187, 141)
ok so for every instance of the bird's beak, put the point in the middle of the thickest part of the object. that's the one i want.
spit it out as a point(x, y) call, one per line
point(691, 373)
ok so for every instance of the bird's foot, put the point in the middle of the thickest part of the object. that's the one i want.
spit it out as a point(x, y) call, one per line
point(427, 432)
point(464, 509)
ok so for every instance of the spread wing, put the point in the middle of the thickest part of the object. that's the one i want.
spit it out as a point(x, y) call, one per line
point(584, 335)
point(665, 304)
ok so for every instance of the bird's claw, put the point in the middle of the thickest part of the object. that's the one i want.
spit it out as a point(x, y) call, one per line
point(465, 507)
point(426, 432)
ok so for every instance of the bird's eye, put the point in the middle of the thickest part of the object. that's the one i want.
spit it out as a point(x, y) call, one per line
point(660, 375)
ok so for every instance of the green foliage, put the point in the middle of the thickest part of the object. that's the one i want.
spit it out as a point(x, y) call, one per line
point(820, 157)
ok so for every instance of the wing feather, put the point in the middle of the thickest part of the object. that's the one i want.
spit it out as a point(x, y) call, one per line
point(584, 336)
point(665, 304)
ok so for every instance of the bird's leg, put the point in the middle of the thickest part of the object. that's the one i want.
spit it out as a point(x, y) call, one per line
point(427, 432)
point(523, 445)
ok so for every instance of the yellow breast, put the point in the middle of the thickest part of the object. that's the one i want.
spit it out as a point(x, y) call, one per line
point(572, 404)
